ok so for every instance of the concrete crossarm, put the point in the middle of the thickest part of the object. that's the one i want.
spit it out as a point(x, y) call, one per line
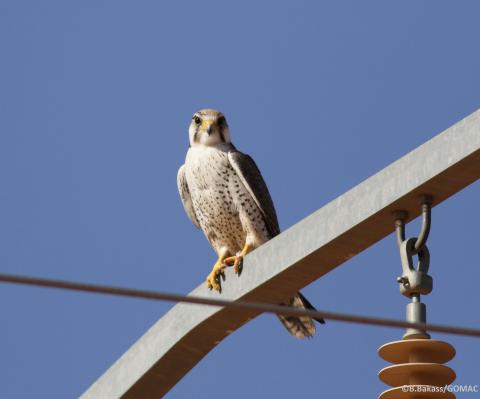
point(306, 251)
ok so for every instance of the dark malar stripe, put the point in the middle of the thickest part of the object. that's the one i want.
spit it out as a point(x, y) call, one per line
point(222, 136)
point(195, 136)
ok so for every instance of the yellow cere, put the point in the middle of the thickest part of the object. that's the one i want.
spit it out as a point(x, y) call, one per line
point(206, 123)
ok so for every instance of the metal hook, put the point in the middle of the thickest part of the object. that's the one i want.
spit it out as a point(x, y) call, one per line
point(426, 203)
point(400, 217)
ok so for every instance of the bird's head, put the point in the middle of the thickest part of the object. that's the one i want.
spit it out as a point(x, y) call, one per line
point(209, 128)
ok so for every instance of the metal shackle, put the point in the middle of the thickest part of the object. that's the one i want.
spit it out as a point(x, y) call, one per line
point(414, 280)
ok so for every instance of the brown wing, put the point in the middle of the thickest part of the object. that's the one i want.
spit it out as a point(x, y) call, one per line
point(185, 196)
point(252, 179)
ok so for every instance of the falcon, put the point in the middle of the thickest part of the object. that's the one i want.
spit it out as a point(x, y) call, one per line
point(225, 195)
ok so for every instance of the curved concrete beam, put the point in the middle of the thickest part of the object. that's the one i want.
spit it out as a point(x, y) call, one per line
point(303, 253)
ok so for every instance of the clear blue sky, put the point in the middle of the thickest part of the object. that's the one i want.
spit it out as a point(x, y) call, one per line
point(95, 100)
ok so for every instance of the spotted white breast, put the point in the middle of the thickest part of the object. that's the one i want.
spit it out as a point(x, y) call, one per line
point(225, 210)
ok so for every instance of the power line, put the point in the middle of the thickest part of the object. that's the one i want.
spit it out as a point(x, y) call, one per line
point(263, 307)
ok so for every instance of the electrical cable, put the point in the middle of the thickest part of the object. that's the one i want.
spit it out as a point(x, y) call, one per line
point(246, 305)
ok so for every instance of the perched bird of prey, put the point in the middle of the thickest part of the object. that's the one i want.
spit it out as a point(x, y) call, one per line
point(225, 196)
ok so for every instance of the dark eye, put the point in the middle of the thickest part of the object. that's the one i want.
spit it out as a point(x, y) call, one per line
point(221, 121)
point(197, 120)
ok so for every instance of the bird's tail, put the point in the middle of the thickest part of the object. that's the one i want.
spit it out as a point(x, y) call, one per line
point(300, 326)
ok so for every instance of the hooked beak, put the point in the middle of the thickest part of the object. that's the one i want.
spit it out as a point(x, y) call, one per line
point(207, 126)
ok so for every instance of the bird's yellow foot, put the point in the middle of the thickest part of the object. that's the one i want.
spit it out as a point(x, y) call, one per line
point(215, 276)
point(237, 260)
